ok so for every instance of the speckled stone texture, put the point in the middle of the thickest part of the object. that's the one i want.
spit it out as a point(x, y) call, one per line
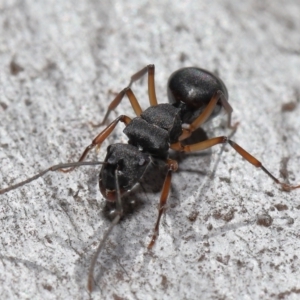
point(229, 232)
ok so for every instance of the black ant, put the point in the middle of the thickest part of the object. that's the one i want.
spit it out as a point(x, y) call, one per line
point(195, 96)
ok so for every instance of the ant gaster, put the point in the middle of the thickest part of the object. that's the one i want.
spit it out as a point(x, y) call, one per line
point(195, 96)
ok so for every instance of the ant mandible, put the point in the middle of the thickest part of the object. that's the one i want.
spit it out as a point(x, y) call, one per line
point(195, 96)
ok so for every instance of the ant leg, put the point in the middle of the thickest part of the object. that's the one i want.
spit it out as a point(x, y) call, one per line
point(173, 166)
point(223, 140)
point(99, 139)
point(71, 166)
point(134, 103)
point(150, 69)
point(53, 168)
point(202, 118)
point(228, 108)
point(151, 85)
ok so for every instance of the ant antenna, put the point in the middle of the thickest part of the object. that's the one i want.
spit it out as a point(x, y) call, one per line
point(52, 169)
point(119, 212)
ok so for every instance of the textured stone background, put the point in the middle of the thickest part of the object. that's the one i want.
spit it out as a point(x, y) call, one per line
point(229, 232)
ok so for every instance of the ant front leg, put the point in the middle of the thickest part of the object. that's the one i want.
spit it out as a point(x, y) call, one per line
point(202, 118)
point(223, 140)
point(150, 69)
point(173, 166)
point(100, 138)
point(68, 167)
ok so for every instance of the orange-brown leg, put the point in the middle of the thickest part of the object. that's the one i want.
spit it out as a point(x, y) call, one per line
point(202, 118)
point(222, 140)
point(150, 69)
point(172, 164)
point(134, 103)
point(99, 139)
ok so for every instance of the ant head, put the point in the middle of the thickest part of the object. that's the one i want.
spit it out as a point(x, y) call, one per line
point(130, 164)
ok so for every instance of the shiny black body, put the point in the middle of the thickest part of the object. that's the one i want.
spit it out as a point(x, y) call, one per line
point(150, 134)
point(191, 89)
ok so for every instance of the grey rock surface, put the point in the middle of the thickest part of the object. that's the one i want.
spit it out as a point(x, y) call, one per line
point(229, 232)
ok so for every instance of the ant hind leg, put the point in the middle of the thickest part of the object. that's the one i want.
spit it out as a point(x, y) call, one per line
point(246, 155)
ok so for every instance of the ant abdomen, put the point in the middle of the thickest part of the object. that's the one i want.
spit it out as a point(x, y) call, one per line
point(194, 87)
